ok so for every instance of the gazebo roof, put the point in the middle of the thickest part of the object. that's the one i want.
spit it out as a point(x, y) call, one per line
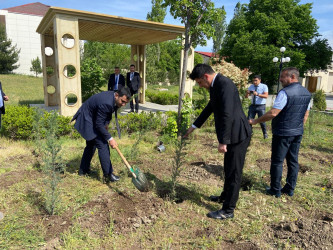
point(113, 29)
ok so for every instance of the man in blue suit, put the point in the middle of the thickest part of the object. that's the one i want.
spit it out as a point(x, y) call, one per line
point(3, 98)
point(92, 120)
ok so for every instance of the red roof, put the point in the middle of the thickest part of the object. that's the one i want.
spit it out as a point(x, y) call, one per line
point(37, 9)
point(208, 54)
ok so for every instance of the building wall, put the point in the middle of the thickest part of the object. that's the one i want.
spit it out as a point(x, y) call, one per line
point(21, 29)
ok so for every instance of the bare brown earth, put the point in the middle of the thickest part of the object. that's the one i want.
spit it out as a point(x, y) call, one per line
point(131, 212)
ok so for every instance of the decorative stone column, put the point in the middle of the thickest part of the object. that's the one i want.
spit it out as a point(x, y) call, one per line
point(66, 78)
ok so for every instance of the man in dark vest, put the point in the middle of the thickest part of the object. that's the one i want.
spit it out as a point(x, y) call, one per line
point(92, 121)
point(289, 113)
point(232, 130)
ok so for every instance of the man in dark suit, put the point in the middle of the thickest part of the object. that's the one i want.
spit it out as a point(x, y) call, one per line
point(116, 80)
point(3, 98)
point(232, 129)
point(92, 120)
point(133, 82)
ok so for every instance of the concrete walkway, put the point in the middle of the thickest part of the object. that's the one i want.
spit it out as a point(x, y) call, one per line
point(150, 107)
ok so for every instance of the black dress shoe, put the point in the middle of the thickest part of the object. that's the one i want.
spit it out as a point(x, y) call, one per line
point(114, 178)
point(220, 215)
point(269, 191)
point(216, 198)
point(110, 178)
point(82, 173)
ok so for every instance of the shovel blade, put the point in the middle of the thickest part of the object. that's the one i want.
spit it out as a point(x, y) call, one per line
point(140, 182)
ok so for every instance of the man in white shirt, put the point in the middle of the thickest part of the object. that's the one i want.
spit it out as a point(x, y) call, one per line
point(3, 98)
point(258, 106)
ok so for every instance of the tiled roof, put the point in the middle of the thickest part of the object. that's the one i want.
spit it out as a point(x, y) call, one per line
point(37, 9)
point(209, 54)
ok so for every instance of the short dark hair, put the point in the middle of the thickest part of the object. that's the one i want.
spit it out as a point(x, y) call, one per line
point(116, 67)
point(124, 91)
point(132, 65)
point(257, 76)
point(292, 71)
point(200, 69)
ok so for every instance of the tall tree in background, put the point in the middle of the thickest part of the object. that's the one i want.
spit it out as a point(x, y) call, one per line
point(198, 16)
point(108, 55)
point(155, 73)
point(260, 28)
point(9, 54)
point(36, 66)
point(220, 28)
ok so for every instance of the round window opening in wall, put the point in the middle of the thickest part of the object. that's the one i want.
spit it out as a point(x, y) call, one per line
point(69, 71)
point(51, 89)
point(71, 99)
point(48, 51)
point(49, 70)
point(68, 41)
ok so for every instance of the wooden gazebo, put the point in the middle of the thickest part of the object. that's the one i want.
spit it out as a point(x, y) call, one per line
point(61, 31)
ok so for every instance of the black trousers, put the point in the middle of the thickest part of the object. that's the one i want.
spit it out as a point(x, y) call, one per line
point(136, 97)
point(103, 154)
point(234, 160)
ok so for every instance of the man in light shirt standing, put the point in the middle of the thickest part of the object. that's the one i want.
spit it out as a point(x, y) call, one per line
point(289, 113)
point(258, 106)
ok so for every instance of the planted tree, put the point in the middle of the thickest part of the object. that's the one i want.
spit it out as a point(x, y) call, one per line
point(9, 54)
point(46, 126)
point(199, 17)
point(36, 66)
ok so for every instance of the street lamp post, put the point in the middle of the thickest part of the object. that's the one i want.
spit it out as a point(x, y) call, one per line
point(282, 60)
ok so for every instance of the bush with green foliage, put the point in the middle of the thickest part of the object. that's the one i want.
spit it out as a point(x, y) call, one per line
point(92, 79)
point(163, 98)
point(135, 122)
point(319, 100)
point(17, 123)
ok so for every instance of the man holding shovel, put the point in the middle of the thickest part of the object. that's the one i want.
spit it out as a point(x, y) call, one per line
point(232, 129)
point(92, 120)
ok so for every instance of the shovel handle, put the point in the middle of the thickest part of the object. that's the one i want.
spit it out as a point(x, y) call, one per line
point(126, 162)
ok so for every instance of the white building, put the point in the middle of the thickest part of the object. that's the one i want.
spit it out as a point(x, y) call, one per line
point(21, 23)
point(319, 80)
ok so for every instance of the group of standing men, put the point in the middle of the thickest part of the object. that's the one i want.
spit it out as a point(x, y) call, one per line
point(117, 81)
point(233, 128)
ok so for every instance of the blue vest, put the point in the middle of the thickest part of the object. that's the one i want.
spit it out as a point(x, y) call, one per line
point(289, 122)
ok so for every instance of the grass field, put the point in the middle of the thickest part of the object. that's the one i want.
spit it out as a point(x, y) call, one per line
point(92, 215)
point(23, 89)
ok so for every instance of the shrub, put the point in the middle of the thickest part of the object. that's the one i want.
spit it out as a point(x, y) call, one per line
point(18, 123)
point(319, 100)
point(163, 98)
point(134, 122)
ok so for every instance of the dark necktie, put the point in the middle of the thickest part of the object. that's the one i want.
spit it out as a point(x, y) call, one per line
point(255, 97)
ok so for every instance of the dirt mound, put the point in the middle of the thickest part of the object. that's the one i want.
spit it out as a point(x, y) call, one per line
point(13, 177)
point(120, 213)
point(307, 233)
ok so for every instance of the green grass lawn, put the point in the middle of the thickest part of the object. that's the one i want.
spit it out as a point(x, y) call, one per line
point(22, 89)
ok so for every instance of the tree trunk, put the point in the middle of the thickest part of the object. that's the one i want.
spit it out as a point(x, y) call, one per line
point(182, 85)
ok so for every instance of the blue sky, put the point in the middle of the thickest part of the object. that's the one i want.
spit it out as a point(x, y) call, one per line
point(322, 11)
